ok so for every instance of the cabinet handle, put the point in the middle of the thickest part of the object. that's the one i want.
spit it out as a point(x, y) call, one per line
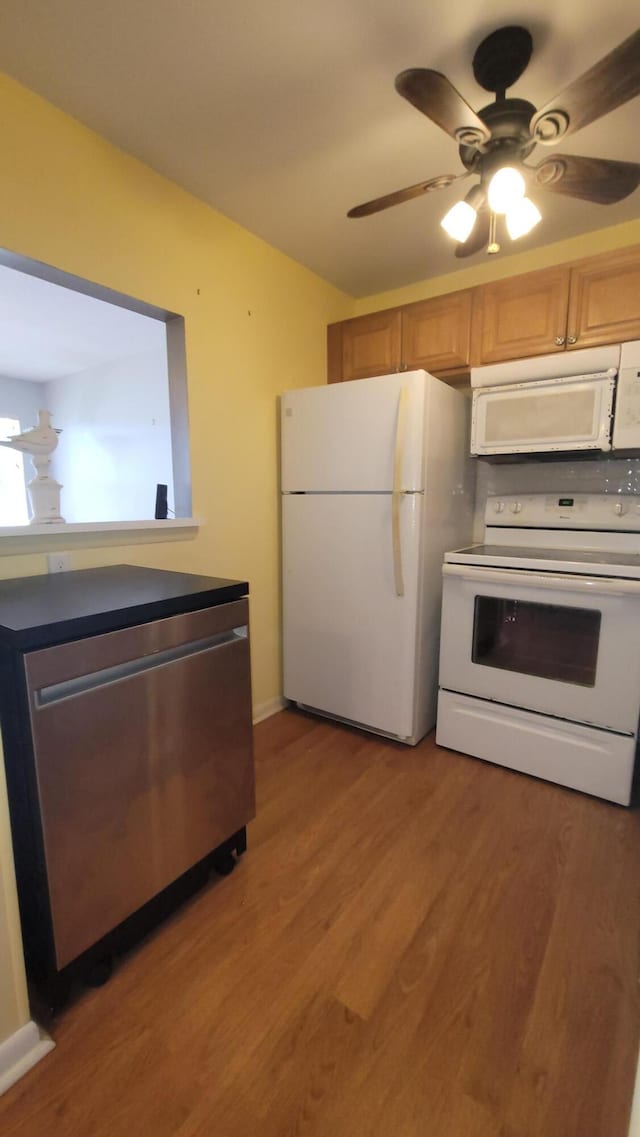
point(572, 339)
point(559, 340)
point(402, 367)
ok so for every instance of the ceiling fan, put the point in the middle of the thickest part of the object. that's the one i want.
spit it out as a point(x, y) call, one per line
point(495, 141)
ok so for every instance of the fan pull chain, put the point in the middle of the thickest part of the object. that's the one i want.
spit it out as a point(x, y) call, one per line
point(493, 246)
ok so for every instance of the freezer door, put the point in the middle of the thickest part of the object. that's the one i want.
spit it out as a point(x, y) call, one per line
point(349, 638)
point(352, 436)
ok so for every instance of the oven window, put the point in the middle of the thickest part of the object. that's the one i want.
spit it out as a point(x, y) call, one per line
point(547, 640)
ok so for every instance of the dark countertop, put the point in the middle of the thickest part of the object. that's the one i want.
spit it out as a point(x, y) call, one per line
point(37, 611)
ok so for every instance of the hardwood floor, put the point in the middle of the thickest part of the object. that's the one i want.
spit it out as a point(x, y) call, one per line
point(417, 944)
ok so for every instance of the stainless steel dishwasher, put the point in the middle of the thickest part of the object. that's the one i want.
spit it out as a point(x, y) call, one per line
point(142, 749)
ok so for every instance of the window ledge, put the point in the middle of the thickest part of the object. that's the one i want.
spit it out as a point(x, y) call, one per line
point(34, 538)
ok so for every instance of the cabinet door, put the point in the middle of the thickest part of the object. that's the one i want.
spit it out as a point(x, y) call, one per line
point(371, 345)
point(521, 316)
point(436, 333)
point(604, 302)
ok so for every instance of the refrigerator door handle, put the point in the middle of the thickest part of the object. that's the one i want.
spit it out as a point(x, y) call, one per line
point(396, 496)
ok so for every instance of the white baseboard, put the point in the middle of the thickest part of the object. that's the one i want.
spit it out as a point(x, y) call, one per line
point(634, 1124)
point(21, 1051)
point(271, 707)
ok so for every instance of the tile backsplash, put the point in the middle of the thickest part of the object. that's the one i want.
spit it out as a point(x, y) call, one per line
point(601, 475)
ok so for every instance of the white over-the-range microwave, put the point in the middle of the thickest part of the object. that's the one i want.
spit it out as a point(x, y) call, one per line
point(587, 400)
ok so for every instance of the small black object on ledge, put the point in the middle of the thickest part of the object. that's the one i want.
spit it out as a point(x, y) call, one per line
point(161, 502)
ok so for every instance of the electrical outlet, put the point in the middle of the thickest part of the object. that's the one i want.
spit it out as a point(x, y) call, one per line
point(58, 562)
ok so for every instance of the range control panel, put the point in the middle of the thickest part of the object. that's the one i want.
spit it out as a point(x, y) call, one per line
point(615, 512)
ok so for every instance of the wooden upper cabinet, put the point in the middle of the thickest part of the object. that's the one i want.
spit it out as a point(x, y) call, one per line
point(436, 333)
point(431, 334)
point(604, 303)
point(521, 316)
point(590, 302)
point(368, 345)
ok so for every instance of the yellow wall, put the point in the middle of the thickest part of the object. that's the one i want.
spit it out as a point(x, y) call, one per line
point(498, 267)
point(14, 1011)
point(70, 199)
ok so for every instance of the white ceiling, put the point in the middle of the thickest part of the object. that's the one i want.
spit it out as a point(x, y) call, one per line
point(47, 332)
point(282, 113)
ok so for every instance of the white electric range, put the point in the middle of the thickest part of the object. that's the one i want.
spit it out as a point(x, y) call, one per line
point(540, 645)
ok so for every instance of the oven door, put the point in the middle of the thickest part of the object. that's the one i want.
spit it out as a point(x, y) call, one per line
point(550, 642)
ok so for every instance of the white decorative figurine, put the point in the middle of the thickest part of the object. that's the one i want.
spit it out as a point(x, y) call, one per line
point(44, 491)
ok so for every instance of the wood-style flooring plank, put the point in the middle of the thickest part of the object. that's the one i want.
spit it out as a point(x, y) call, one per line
point(416, 942)
point(580, 1051)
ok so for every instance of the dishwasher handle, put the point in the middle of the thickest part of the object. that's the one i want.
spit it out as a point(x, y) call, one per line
point(68, 688)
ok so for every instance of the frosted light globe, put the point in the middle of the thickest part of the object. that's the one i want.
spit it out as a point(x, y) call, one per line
point(459, 221)
point(522, 217)
point(505, 189)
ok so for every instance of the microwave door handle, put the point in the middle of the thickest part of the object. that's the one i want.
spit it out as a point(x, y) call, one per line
point(606, 415)
point(396, 495)
point(546, 581)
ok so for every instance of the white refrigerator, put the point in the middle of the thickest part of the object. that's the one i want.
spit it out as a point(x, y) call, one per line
point(376, 486)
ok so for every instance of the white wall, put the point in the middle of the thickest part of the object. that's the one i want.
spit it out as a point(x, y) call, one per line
point(116, 437)
point(598, 475)
point(21, 399)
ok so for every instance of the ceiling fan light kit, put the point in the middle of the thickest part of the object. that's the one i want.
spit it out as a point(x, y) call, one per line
point(494, 142)
point(505, 195)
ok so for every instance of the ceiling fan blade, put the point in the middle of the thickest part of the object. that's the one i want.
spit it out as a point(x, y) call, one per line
point(399, 196)
point(607, 85)
point(433, 94)
point(592, 179)
point(479, 236)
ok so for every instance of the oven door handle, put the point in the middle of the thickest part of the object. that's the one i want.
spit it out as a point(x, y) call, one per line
point(550, 581)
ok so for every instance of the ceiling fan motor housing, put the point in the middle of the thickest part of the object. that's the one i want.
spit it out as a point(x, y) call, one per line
point(508, 121)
